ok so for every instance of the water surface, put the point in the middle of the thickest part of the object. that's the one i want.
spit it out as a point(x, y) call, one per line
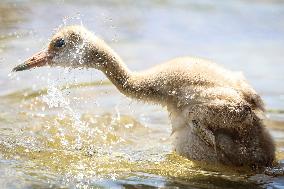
point(73, 129)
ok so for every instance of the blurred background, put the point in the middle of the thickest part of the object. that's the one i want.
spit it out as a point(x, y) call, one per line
point(72, 128)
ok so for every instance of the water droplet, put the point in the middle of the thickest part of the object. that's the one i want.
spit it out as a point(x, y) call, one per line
point(12, 75)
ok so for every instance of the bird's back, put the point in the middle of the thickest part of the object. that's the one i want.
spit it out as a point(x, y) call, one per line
point(193, 80)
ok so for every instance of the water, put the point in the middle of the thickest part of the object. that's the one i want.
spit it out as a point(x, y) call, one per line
point(73, 129)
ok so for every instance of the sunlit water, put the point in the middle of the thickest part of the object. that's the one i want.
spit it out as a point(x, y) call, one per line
point(72, 128)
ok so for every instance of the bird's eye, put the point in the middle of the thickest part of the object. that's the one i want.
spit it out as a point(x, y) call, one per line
point(59, 43)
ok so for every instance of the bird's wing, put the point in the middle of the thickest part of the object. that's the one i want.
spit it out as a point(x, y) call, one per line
point(205, 134)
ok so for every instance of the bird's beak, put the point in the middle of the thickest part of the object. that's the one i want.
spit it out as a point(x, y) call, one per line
point(39, 59)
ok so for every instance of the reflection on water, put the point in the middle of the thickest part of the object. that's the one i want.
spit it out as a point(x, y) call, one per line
point(61, 128)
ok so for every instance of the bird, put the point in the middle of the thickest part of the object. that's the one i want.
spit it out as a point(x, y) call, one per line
point(216, 116)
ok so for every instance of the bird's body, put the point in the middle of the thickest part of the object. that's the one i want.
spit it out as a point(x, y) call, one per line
point(215, 114)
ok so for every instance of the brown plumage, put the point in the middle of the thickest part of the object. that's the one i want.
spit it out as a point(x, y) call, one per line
point(215, 114)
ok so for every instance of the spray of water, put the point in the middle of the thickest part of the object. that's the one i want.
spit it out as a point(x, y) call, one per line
point(55, 98)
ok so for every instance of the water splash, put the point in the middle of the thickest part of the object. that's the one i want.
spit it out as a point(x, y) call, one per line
point(14, 76)
point(68, 20)
point(55, 98)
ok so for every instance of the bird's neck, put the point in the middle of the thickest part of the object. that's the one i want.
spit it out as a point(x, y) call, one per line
point(118, 73)
point(127, 82)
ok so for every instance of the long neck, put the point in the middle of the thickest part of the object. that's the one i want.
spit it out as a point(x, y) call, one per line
point(129, 83)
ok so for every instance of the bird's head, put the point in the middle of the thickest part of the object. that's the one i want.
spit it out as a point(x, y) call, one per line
point(71, 46)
